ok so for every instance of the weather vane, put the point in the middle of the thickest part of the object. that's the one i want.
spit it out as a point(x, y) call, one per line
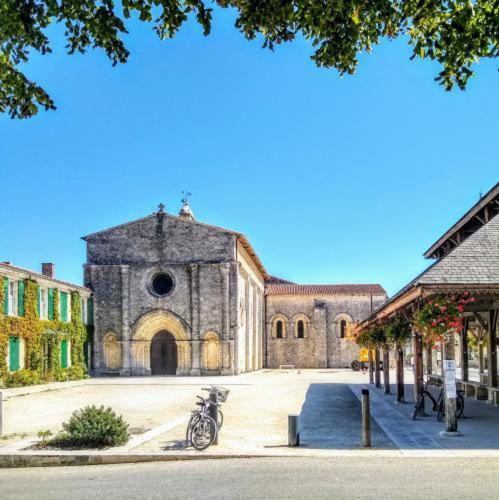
point(185, 199)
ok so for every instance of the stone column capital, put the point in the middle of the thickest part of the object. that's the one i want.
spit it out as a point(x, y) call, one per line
point(225, 268)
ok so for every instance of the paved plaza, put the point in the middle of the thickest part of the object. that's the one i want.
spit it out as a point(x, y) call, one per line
point(256, 415)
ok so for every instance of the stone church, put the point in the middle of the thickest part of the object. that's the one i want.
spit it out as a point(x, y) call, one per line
point(176, 296)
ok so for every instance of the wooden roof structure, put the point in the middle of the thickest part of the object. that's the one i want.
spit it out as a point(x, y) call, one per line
point(469, 261)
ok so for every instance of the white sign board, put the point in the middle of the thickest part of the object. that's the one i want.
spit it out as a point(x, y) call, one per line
point(450, 378)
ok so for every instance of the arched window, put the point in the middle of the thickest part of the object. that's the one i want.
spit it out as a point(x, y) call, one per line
point(300, 329)
point(278, 329)
point(343, 329)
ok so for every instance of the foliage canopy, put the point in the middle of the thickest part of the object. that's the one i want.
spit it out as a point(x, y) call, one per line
point(454, 33)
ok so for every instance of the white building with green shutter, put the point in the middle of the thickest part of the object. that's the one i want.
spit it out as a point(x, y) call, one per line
point(45, 326)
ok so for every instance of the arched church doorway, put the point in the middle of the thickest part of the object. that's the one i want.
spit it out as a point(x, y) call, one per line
point(163, 354)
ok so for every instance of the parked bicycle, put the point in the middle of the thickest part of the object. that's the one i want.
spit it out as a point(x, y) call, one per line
point(420, 403)
point(441, 405)
point(202, 429)
point(438, 404)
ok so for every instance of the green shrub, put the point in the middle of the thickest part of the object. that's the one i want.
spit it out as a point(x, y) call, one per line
point(20, 378)
point(74, 372)
point(93, 427)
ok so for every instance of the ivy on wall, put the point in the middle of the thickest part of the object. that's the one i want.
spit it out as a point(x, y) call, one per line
point(42, 339)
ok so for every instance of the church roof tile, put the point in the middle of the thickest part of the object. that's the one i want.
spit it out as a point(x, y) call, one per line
point(345, 289)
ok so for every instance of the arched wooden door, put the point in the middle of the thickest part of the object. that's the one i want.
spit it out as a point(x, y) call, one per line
point(163, 354)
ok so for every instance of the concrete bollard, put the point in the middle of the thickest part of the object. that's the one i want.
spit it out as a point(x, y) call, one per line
point(293, 434)
point(366, 419)
point(214, 411)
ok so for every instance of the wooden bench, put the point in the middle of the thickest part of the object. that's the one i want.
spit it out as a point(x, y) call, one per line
point(435, 380)
point(494, 395)
point(475, 390)
point(471, 389)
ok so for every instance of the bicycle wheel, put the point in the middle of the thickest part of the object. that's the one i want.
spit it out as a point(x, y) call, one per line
point(190, 425)
point(418, 408)
point(220, 418)
point(460, 405)
point(203, 433)
point(441, 411)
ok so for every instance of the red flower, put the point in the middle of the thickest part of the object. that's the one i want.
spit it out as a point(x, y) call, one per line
point(433, 323)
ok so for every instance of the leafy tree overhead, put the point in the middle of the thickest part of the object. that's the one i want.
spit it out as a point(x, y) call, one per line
point(454, 33)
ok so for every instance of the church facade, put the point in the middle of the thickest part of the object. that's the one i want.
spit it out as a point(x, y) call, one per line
point(176, 296)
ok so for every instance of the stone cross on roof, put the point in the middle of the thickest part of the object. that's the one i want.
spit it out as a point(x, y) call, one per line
point(161, 208)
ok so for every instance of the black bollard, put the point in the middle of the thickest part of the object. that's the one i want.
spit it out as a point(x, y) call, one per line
point(293, 435)
point(214, 411)
point(366, 419)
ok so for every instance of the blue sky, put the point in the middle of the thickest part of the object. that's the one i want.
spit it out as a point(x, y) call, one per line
point(332, 179)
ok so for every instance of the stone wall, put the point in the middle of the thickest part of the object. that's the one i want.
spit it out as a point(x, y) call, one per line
point(322, 346)
point(250, 304)
point(121, 263)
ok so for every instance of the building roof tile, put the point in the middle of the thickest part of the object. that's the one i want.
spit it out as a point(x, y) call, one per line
point(344, 289)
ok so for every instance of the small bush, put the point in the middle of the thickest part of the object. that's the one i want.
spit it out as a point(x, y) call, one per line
point(20, 378)
point(74, 372)
point(93, 427)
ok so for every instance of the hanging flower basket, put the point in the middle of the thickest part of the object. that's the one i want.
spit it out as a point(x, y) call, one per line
point(440, 318)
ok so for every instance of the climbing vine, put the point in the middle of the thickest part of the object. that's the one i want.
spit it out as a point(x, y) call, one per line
point(42, 340)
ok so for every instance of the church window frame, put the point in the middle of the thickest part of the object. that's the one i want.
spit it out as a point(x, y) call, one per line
point(162, 289)
point(343, 328)
point(341, 323)
point(283, 322)
point(301, 324)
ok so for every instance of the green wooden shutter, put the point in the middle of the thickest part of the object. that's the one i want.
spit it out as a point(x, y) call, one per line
point(64, 353)
point(51, 303)
point(85, 354)
point(20, 298)
point(90, 311)
point(6, 295)
point(14, 353)
point(63, 301)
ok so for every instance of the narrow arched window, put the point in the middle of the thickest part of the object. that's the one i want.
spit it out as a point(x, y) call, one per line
point(343, 328)
point(278, 329)
point(300, 329)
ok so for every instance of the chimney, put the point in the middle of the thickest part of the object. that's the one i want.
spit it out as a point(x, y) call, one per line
point(48, 269)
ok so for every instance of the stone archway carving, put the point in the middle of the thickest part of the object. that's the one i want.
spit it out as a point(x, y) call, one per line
point(211, 353)
point(144, 330)
point(306, 324)
point(347, 318)
point(112, 352)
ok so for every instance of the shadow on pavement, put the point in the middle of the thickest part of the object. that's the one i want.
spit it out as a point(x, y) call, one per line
point(331, 419)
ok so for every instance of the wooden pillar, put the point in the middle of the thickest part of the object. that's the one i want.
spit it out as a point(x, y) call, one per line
point(481, 367)
point(400, 373)
point(417, 343)
point(450, 403)
point(377, 374)
point(371, 366)
point(386, 370)
point(464, 351)
point(441, 347)
point(429, 360)
point(492, 347)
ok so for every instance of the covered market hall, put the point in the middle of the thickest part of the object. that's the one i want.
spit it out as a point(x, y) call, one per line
point(462, 285)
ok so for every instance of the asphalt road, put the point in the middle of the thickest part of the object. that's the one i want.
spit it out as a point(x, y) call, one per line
point(300, 478)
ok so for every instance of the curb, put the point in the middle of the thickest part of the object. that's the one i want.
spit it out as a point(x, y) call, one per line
point(14, 461)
